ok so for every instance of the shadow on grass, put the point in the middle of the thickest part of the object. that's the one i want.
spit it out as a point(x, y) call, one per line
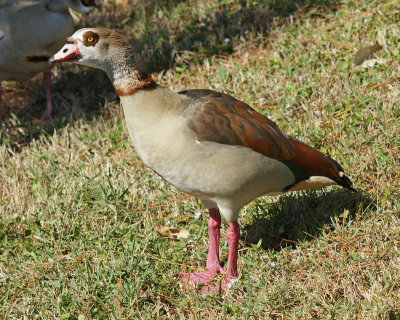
point(217, 32)
point(302, 216)
point(394, 315)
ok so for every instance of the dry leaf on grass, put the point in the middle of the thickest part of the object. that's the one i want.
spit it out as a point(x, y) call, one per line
point(371, 62)
point(172, 233)
point(366, 53)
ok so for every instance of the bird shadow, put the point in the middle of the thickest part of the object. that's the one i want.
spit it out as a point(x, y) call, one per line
point(301, 217)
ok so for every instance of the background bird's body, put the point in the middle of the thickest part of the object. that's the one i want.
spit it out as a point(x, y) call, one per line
point(31, 31)
point(30, 42)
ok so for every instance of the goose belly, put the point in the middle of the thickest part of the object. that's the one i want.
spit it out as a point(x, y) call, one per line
point(211, 170)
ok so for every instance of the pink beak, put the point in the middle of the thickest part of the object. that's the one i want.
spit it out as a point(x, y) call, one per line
point(68, 53)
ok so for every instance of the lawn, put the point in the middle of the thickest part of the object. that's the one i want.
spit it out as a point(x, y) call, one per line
point(80, 213)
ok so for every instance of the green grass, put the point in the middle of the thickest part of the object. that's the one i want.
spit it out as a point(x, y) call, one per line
point(79, 210)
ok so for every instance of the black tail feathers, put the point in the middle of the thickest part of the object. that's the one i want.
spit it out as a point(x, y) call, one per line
point(344, 182)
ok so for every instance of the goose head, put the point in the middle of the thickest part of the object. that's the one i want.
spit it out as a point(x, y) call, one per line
point(100, 48)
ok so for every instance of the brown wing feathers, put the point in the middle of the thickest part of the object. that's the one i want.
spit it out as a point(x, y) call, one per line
point(221, 118)
point(218, 117)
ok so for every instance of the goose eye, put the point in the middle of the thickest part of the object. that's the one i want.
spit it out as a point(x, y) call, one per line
point(90, 38)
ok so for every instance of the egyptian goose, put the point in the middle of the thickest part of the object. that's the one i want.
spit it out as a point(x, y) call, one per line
point(203, 142)
point(30, 32)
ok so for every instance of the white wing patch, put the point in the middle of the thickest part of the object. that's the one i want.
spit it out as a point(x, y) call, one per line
point(313, 182)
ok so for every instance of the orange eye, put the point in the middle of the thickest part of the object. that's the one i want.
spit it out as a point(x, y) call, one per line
point(90, 39)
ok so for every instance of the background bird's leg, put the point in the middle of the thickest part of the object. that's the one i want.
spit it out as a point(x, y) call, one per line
point(47, 85)
point(1, 105)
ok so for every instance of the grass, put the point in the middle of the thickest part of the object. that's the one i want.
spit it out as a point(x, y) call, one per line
point(79, 210)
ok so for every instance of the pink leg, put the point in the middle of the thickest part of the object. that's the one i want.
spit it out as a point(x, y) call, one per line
point(232, 235)
point(47, 85)
point(214, 226)
point(1, 105)
point(213, 263)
